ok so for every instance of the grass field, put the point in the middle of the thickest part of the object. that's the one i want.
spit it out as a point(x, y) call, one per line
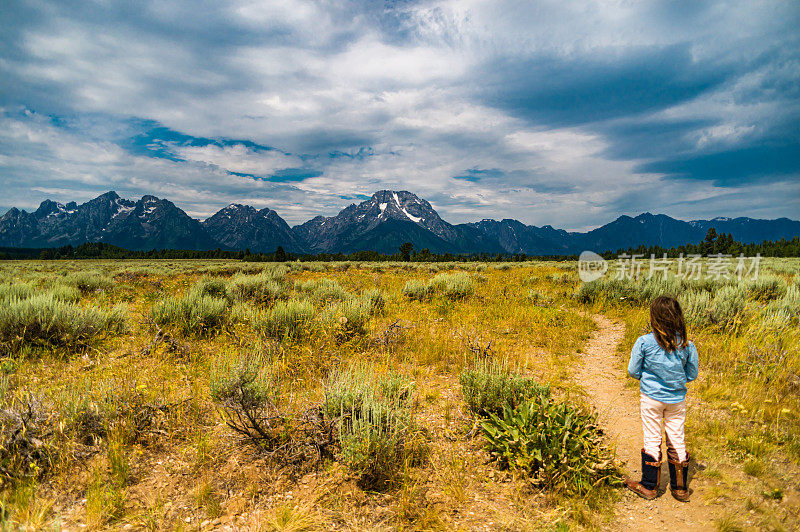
point(363, 396)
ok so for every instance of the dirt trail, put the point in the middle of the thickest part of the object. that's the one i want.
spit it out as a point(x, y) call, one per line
point(618, 406)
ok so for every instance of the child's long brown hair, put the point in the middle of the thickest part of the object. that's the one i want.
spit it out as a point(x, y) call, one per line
point(666, 319)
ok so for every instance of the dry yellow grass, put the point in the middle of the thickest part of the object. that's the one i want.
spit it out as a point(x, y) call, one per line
point(160, 455)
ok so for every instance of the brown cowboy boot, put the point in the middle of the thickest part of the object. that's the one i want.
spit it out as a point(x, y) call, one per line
point(647, 488)
point(678, 475)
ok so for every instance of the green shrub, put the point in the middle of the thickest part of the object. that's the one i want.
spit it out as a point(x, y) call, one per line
point(652, 287)
point(211, 287)
point(454, 285)
point(728, 306)
point(248, 395)
point(766, 288)
point(260, 288)
point(619, 290)
point(538, 298)
point(557, 444)
point(376, 299)
point(488, 387)
point(380, 439)
point(322, 290)
point(561, 278)
point(44, 319)
point(705, 283)
point(775, 319)
point(287, 319)
point(90, 281)
point(612, 290)
point(629, 291)
point(64, 293)
point(396, 387)
point(723, 310)
point(696, 307)
point(20, 291)
point(276, 272)
point(192, 314)
point(355, 313)
point(789, 304)
point(418, 290)
point(345, 391)
point(377, 435)
point(589, 292)
point(16, 291)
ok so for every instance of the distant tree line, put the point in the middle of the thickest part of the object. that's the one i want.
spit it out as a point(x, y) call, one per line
point(712, 244)
point(102, 250)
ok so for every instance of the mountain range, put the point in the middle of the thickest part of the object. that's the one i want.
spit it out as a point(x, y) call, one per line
point(380, 223)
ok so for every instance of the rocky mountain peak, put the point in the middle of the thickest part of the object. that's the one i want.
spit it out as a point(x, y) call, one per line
point(382, 223)
point(48, 207)
point(243, 227)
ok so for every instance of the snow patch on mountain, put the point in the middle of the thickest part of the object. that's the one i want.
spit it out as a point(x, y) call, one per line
point(123, 209)
point(410, 217)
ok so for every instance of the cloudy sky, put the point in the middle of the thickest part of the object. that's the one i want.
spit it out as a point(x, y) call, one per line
point(562, 113)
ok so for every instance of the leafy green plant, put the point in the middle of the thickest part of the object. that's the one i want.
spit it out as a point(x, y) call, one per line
point(452, 285)
point(788, 306)
point(355, 313)
point(589, 292)
point(538, 298)
point(561, 278)
point(724, 309)
point(376, 299)
point(558, 445)
point(696, 307)
point(64, 293)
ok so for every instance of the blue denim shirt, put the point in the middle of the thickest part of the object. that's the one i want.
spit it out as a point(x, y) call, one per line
point(662, 375)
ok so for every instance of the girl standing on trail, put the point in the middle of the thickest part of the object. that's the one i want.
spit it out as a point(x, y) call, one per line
point(663, 361)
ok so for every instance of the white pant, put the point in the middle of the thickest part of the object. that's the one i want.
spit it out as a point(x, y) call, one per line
point(673, 416)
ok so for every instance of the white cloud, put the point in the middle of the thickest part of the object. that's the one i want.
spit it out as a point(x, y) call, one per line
point(310, 78)
point(238, 158)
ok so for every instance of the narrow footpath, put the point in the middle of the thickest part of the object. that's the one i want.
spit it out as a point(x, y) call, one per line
point(618, 407)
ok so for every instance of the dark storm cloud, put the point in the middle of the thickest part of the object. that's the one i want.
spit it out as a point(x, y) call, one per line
point(552, 112)
point(608, 84)
point(732, 167)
